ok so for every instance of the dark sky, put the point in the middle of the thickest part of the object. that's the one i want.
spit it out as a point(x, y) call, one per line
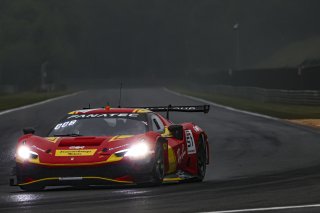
point(189, 35)
point(269, 25)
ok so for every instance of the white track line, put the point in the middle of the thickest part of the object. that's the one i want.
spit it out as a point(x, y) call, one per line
point(221, 106)
point(268, 209)
point(38, 103)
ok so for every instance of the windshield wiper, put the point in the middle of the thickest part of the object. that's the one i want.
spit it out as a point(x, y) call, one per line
point(68, 135)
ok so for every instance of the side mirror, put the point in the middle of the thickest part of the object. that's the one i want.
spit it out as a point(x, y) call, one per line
point(176, 131)
point(28, 131)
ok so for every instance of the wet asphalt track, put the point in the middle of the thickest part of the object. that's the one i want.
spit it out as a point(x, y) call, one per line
point(255, 162)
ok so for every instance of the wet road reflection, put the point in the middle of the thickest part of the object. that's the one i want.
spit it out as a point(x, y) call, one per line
point(24, 197)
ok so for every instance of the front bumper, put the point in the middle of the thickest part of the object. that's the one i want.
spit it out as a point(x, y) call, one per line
point(105, 174)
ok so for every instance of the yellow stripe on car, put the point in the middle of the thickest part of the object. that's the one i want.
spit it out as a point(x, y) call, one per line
point(109, 179)
point(172, 160)
point(172, 179)
point(119, 137)
point(52, 139)
point(142, 111)
point(39, 180)
point(113, 158)
point(167, 133)
point(86, 177)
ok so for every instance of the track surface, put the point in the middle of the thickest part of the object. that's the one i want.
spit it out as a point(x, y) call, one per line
point(255, 162)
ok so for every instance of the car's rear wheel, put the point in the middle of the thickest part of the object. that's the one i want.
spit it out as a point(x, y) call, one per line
point(201, 158)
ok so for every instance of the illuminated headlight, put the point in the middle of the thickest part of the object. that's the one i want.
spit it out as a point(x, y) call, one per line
point(139, 150)
point(24, 152)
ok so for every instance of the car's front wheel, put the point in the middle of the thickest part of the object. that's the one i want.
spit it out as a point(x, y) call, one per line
point(155, 177)
point(158, 170)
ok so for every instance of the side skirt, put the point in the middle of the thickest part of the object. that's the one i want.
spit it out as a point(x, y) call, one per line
point(180, 176)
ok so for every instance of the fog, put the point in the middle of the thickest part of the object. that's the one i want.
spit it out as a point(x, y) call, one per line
point(77, 41)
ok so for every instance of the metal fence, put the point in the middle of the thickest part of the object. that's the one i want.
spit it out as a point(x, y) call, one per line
point(301, 97)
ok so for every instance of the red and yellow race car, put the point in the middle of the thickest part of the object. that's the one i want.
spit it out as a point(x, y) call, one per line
point(113, 145)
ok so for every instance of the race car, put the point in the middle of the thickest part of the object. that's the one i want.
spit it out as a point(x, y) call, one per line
point(113, 145)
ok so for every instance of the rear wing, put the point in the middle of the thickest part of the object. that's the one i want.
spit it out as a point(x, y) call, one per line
point(170, 108)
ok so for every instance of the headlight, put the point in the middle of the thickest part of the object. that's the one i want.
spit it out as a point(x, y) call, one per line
point(24, 152)
point(139, 150)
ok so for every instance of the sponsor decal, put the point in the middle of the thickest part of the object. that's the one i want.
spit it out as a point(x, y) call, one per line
point(181, 153)
point(76, 147)
point(191, 147)
point(172, 108)
point(81, 152)
point(65, 124)
point(105, 115)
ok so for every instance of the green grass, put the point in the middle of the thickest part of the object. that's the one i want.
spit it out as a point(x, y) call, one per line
point(284, 111)
point(25, 98)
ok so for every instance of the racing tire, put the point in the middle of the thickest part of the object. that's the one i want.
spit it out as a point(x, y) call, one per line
point(158, 170)
point(157, 173)
point(32, 188)
point(201, 159)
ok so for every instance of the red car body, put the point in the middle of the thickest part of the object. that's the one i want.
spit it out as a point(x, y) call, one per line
point(101, 159)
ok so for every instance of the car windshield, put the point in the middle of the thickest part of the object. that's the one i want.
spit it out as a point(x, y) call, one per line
point(101, 125)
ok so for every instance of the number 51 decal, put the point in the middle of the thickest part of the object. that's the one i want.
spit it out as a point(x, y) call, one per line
point(191, 147)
